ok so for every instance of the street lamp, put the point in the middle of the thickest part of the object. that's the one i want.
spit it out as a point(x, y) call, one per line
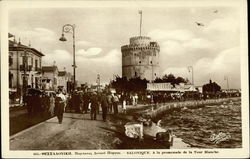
point(68, 28)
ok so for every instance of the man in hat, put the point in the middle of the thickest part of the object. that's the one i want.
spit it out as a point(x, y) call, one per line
point(94, 105)
point(59, 105)
point(105, 105)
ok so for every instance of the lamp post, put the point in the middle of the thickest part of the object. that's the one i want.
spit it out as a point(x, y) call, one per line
point(68, 28)
point(226, 78)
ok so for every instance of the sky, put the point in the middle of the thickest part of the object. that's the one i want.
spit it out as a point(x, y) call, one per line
point(213, 49)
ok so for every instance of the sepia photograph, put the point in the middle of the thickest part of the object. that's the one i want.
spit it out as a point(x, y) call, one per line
point(124, 79)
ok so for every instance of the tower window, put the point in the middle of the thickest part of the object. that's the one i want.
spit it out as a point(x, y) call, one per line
point(135, 74)
point(151, 62)
point(139, 62)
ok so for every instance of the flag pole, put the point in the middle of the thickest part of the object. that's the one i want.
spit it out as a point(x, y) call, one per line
point(140, 12)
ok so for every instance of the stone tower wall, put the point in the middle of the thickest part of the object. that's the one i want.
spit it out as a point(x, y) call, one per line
point(140, 58)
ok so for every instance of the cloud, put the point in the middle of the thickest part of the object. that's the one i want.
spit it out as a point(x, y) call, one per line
point(226, 63)
point(198, 43)
point(222, 25)
point(171, 47)
point(106, 66)
point(39, 38)
point(43, 34)
point(177, 71)
point(179, 35)
point(83, 43)
point(62, 57)
point(89, 53)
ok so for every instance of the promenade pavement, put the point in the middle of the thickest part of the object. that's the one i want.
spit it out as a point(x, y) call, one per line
point(77, 132)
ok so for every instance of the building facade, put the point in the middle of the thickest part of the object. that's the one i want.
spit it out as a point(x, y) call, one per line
point(64, 78)
point(140, 58)
point(50, 78)
point(24, 67)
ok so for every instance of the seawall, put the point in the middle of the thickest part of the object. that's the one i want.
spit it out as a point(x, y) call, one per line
point(166, 107)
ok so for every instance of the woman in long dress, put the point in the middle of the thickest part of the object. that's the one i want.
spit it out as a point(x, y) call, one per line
point(52, 104)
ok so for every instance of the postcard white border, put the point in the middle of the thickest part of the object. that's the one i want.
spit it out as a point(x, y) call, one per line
point(229, 153)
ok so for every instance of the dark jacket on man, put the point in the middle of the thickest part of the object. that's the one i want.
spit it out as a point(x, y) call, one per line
point(104, 104)
point(94, 106)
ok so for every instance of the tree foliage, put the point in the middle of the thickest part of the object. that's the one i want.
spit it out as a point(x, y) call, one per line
point(122, 84)
point(211, 87)
point(170, 79)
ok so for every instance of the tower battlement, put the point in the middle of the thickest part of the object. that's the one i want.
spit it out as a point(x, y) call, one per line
point(140, 47)
point(141, 43)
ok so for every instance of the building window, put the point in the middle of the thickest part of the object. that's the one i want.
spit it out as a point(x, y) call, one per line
point(10, 61)
point(36, 63)
point(135, 74)
point(139, 62)
point(151, 62)
point(10, 80)
point(31, 61)
point(40, 63)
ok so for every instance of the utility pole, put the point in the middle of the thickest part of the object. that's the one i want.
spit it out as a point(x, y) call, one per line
point(192, 69)
point(98, 82)
point(226, 78)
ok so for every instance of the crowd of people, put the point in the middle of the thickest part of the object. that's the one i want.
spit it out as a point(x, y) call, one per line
point(55, 104)
point(92, 102)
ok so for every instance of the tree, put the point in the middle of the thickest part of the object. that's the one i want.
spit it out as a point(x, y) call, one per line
point(211, 87)
point(179, 80)
point(170, 79)
point(121, 84)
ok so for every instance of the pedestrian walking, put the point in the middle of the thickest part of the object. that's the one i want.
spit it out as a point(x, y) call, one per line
point(76, 102)
point(93, 105)
point(47, 104)
point(104, 105)
point(133, 100)
point(136, 99)
point(86, 102)
point(98, 96)
point(124, 102)
point(109, 98)
point(52, 104)
point(60, 106)
point(115, 103)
